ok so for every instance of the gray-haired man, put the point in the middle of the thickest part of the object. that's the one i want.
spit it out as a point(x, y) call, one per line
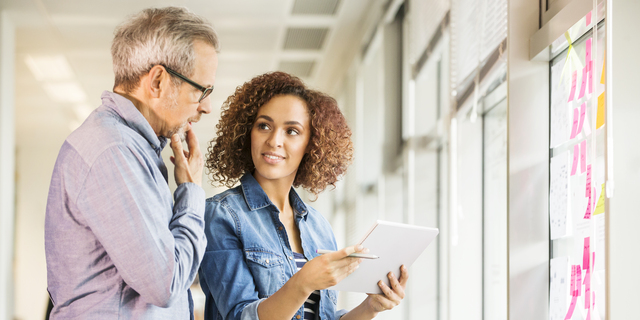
point(117, 245)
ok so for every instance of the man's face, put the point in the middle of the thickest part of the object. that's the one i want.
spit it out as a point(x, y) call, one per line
point(180, 107)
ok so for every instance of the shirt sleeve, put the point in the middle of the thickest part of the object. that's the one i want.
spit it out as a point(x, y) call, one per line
point(155, 246)
point(224, 270)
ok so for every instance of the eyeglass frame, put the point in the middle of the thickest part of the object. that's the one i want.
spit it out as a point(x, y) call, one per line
point(205, 91)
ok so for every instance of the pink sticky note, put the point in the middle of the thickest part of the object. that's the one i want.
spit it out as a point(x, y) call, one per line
point(576, 122)
point(587, 290)
point(588, 190)
point(590, 78)
point(587, 54)
point(587, 215)
point(588, 18)
point(583, 84)
point(588, 315)
point(583, 112)
point(576, 152)
point(583, 156)
point(585, 254)
point(593, 261)
point(573, 280)
point(578, 280)
point(572, 307)
point(574, 79)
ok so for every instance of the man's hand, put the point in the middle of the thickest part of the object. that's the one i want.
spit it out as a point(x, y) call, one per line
point(188, 164)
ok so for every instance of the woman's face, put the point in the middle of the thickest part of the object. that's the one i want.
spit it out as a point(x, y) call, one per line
point(279, 138)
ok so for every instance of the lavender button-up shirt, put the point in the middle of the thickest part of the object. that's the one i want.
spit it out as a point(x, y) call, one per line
point(117, 245)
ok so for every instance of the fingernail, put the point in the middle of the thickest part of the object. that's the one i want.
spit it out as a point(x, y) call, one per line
point(359, 247)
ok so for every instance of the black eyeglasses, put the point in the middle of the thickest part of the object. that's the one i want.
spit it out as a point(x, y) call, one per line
point(205, 91)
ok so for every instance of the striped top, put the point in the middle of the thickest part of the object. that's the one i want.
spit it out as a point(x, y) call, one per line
point(311, 305)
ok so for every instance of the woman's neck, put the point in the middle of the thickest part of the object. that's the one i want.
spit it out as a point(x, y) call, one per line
point(277, 191)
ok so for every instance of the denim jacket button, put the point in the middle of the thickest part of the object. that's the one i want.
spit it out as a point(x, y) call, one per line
point(267, 261)
point(298, 317)
point(290, 258)
point(280, 228)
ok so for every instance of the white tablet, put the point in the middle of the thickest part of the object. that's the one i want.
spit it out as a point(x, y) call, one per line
point(395, 244)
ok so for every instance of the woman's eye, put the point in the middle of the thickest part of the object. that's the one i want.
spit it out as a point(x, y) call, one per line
point(293, 132)
point(263, 126)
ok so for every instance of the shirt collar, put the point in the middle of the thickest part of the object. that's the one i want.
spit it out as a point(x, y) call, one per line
point(256, 198)
point(133, 118)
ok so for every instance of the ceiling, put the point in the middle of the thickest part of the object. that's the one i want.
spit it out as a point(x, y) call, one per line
point(316, 40)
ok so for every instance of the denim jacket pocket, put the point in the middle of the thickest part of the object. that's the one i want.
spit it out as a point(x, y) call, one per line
point(267, 270)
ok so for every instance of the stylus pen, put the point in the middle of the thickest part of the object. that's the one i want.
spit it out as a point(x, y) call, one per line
point(353, 255)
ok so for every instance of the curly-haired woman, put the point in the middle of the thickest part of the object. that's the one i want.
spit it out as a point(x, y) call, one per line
point(261, 262)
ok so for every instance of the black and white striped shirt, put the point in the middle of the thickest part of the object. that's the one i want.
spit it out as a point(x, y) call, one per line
point(311, 305)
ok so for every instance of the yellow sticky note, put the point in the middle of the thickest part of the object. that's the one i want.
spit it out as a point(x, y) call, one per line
point(604, 63)
point(600, 204)
point(600, 117)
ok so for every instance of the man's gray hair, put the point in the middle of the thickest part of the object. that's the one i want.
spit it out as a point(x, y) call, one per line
point(158, 36)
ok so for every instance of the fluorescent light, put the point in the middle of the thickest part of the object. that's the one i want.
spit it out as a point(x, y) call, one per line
point(46, 68)
point(65, 91)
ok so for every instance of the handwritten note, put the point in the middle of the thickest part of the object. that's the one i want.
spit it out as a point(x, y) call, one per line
point(560, 113)
point(600, 115)
point(583, 84)
point(600, 205)
point(578, 281)
point(586, 253)
point(588, 189)
point(574, 80)
point(587, 53)
point(583, 156)
point(559, 195)
point(576, 122)
point(558, 287)
point(574, 296)
point(576, 153)
point(590, 79)
point(583, 111)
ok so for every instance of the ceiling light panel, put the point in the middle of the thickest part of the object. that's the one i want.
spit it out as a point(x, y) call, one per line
point(49, 68)
point(302, 69)
point(315, 7)
point(305, 38)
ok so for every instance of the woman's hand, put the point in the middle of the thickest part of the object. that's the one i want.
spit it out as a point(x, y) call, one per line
point(328, 269)
point(392, 296)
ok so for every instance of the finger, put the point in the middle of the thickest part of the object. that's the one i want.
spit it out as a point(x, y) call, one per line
point(192, 143)
point(389, 294)
point(186, 154)
point(173, 160)
point(176, 146)
point(404, 276)
point(395, 285)
point(348, 250)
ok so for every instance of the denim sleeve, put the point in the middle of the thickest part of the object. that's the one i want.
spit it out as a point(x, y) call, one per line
point(224, 269)
point(126, 207)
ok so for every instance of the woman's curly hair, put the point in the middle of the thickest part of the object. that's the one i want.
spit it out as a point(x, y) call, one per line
point(330, 150)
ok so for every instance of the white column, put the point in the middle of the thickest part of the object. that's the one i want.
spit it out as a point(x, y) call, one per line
point(528, 161)
point(7, 164)
point(623, 65)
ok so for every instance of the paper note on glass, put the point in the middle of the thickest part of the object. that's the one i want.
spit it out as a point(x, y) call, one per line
point(583, 156)
point(576, 121)
point(560, 110)
point(559, 195)
point(576, 154)
point(601, 108)
point(558, 287)
point(583, 84)
point(583, 111)
point(600, 204)
point(574, 80)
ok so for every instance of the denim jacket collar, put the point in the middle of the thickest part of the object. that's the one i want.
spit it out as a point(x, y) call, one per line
point(256, 198)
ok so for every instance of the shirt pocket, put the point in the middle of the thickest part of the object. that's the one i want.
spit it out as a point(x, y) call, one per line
point(267, 268)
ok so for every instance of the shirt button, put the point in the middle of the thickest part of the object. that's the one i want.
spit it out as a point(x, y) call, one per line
point(298, 317)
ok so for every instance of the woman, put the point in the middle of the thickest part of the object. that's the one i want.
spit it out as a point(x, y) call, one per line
point(261, 262)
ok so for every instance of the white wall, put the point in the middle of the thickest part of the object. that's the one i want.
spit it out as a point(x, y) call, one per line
point(7, 163)
point(528, 157)
point(623, 60)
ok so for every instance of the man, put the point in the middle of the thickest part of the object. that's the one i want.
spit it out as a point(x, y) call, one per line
point(117, 245)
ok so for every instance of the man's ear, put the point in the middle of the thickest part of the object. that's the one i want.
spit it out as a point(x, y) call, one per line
point(157, 79)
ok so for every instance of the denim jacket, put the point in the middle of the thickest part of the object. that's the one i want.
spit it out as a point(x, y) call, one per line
point(248, 256)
